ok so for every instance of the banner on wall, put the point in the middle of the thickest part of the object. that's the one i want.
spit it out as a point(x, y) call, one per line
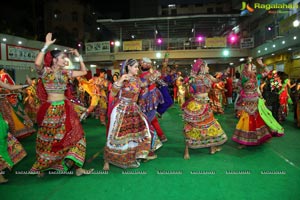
point(132, 45)
point(97, 47)
point(18, 53)
point(215, 42)
point(296, 55)
point(247, 43)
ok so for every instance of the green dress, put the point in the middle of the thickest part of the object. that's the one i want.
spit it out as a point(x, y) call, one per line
point(11, 150)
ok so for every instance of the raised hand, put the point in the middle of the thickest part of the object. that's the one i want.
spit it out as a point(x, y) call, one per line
point(259, 61)
point(250, 59)
point(74, 52)
point(49, 39)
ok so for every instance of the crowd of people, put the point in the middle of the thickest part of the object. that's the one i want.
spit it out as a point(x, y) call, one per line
point(129, 104)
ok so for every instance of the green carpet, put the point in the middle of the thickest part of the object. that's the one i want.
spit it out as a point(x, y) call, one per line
point(270, 171)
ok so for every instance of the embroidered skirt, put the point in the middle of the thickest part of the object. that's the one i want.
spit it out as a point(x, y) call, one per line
point(52, 131)
point(201, 129)
point(129, 136)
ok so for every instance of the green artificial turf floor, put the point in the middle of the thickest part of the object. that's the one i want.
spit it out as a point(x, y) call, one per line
point(269, 171)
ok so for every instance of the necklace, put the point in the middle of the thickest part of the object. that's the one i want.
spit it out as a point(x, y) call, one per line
point(131, 78)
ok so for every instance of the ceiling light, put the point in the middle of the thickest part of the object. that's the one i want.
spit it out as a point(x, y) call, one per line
point(117, 43)
point(296, 23)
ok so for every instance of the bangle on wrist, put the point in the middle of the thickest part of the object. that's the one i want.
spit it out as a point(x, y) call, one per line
point(80, 58)
point(43, 50)
point(25, 86)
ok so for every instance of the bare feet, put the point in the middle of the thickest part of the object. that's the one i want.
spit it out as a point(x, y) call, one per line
point(212, 150)
point(163, 138)
point(186, 153)
point(106, 166)
point(215, 149)
point(81, 171)
point(218, 148)
point(2, 179)
point(151, 156)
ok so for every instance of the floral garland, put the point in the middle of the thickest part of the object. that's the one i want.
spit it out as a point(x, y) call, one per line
point(275, 81)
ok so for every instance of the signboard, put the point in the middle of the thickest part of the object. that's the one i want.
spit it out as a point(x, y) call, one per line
point(215, 42)
point(296, 55)
point(247, 43)
point(132, 45)
point(97, 47)
point(18, 53)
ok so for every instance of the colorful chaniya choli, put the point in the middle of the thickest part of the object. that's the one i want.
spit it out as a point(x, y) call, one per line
point(11, 150)
point(20, 125)
point(201, 129)
point(256, 124)
point(150, 97)
point(130, 136)
point(60, 135)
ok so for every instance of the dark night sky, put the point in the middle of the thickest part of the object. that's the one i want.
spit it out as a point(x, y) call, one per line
point(111, 6)
point(19, 17)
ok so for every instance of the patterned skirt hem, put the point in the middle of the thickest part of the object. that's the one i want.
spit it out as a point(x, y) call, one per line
point(247, 143)
point(212, 144)
point(62, 166)
point(134, 165)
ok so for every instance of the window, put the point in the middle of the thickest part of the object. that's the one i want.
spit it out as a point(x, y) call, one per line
point(210, 10)
point(280, 67)
point(219, 10)
point(74, 16)
point(164, 13)
point(198, 5)
point(174, 12)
